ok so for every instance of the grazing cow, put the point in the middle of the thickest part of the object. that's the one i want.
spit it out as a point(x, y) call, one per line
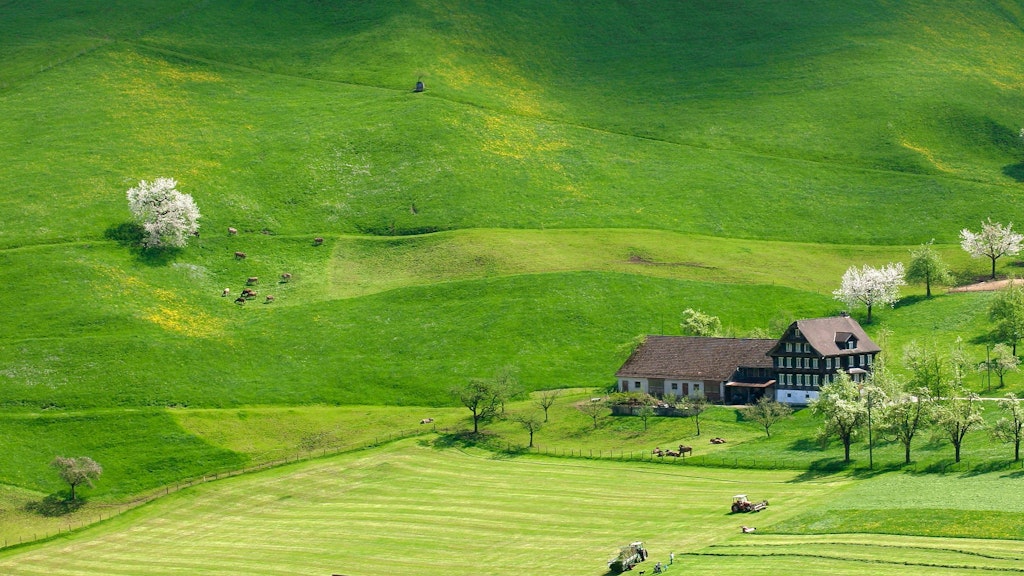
point(232, 231)
point(240, 300)
point(226, 292)
point(270, 298)
point(748, 529)
point(426, 421)
point(240, 255)
point(318, 241)
point(286, 277)
point(684, 450)
point(672, 453)
point(252, 280)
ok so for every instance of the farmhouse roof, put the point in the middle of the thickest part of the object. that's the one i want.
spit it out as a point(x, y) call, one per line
point(695, 357)
point(828, 336)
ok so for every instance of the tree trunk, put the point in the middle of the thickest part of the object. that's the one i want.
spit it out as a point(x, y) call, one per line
point(72, 492)
point(927, 288)
point(476, 422)
point(846, 447)
point(1016, 450)
point(531, 438)
point(696, 420)
point(869, 313)
point(993, 275)
point(906, 453)
point(957, 447)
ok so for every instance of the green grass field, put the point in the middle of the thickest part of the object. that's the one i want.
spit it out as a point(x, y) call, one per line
point(412, 508)
point(575, 175)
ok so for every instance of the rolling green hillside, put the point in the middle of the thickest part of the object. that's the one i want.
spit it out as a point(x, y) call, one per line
point(575, 174)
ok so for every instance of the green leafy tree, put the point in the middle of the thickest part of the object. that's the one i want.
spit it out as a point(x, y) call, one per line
point(1001, 361)
point(840, 404)
point(645, 413)
point(77, 471)
point(957, 416)
point(927, 267)
point(485, 398)
point(766, 412)
point(903, 415)
point(1010, 428)
point(1007, 312)
point(697, 323)
point(927, 368)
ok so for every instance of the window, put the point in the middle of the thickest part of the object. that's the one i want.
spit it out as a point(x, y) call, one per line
point(871, 358)
point(815, 363)
point(788, 395)
point(636, 384)
point(789, 361)
point(789, 346)
point(696, 387)
point(675, 386)
point(799, 379)
point(807, 348)
point(816, 380)
point(796, 332)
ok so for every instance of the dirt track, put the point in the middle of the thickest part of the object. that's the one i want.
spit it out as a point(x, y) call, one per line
point(985, 286)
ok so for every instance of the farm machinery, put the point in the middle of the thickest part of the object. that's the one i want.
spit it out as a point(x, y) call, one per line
point(741, 504)
point(628, 557)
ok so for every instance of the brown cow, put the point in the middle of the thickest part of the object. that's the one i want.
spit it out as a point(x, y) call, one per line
point(270, 298)
point(240, 300)
point(318, 241)
point(684, 450)
point(225, 292)
point(252, 280)
point(232, 231)
point(240, 255)
point(286, 277)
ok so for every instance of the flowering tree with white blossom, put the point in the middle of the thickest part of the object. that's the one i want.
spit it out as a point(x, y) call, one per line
point(168, 216)
point(993, 241)
point(870, 286)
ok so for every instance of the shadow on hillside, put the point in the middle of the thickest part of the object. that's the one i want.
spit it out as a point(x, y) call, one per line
point(805, 445)
point(819, 469)
point(54, 505)
point(1015, 171)
point(465, 440)
point(130, 235)
point(986, 468)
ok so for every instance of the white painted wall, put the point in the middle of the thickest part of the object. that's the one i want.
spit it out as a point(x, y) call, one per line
point(796, 397)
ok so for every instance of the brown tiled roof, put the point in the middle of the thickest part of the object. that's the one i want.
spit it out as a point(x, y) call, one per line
point(825, 334)
point(695, 358)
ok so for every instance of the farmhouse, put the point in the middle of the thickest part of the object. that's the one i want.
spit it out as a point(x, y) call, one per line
point(740, 370)
point(721, 369)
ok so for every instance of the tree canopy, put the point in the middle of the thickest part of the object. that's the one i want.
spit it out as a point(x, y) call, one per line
point(167, 216)
point(993, 242)
point(77, 471)
point(926, 266)
point(870, 286)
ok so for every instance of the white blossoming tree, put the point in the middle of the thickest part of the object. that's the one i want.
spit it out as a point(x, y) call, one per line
point(994, 241)
point(167, 216)
point(870, 286)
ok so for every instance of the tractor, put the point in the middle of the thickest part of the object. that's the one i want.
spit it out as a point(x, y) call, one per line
point(741, 504)
point(628, 557)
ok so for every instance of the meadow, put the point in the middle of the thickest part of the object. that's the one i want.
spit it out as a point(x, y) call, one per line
point(574, 176)
point(417, 507)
